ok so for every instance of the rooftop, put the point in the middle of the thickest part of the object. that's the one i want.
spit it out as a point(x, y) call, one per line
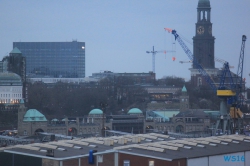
point(149, 145)
point(32, 115)
point(135, 111)
point(16, 51)
point(95, 111)
point(8, 78)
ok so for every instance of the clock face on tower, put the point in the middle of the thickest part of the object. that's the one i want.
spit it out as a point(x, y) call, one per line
point(200, 30)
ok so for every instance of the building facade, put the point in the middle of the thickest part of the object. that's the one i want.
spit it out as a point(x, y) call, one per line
point(53, 59)
point(120, 78)
point(10, 88)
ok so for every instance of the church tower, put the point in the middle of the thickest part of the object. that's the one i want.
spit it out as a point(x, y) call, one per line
point(203, 43)
point(184, 100)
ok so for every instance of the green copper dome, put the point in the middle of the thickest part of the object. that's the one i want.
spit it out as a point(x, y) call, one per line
point(95, 112)
point(134, 111)
point(32, 115)
point(8, 78)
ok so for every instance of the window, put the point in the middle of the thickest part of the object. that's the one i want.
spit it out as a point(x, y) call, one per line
point(151, 163)
point(24, 132)
point(126, 163)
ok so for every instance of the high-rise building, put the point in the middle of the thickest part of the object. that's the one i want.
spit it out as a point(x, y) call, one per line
point(53, 59)
point(203, 44)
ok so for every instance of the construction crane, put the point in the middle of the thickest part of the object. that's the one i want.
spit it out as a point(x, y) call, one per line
point(231, 94)
point(153, 56)
point(216, 59)
point(222, 61)
point(185, 61)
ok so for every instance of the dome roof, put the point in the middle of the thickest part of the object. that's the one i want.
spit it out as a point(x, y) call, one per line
point(204, 3)
point(134, 111)
point(32, 115)
point(95, 111)
point(8, 78)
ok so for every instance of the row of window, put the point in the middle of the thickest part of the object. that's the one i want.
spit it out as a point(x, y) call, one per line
point(10, 101)
point(11, 95)
point(10, 89)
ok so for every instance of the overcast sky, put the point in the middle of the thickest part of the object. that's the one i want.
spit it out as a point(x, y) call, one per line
point(117, 33)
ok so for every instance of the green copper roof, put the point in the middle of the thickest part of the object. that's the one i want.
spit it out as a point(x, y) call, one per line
point(32, 115)
point(95, 111)
point(134, 111)
point(204, 3)
point(184, 89)
point(8, 78)
point(15, 51)
point(22, 101)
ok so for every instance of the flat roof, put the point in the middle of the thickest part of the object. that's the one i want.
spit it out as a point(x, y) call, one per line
point(151, 145)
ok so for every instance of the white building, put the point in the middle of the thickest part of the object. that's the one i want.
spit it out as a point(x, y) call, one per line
point(10, 88)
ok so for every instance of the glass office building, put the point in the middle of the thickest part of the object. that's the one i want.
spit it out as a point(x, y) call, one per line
point(53, 59)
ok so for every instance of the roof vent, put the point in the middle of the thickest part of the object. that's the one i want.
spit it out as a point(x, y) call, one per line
point(122, 141)
point(161, 139)
point(61, 149)
point(212, 144)
point(109, 142)
point(94, 146)
point(136, 139)
point(201, 146)
point(77, 147)
point(224, 143)
point(149, 140)
point(245, 140)
point(187, 147)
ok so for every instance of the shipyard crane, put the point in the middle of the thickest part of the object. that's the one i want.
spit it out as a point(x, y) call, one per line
point(234, 92)
point(153, 56)
point(231, 94)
